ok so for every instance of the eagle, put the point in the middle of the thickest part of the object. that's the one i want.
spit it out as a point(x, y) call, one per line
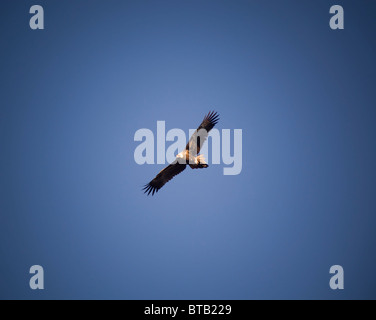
point(190, 156)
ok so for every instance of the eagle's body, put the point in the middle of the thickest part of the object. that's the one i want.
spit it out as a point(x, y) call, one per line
point(190, 156)
point(195, 162)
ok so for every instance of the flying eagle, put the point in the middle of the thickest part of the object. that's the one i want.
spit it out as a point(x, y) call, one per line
point(187, 157)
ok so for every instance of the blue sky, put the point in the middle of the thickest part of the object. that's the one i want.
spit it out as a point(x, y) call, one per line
point(73, 95)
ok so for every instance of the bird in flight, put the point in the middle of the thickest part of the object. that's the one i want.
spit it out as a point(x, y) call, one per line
point(190, 156)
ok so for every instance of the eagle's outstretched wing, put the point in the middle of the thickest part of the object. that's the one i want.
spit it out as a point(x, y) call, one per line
point(163, 177)
point(201, 134)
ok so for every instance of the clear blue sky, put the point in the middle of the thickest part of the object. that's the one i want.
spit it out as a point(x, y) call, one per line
point(73, 95)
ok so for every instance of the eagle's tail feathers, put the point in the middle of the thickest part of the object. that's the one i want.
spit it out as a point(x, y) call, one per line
point(199, 163)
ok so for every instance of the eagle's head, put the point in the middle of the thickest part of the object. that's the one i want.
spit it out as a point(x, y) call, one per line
point(181, 155)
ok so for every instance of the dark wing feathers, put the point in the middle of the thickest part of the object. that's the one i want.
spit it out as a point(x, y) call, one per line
point(199, 137)
point(163, 177)
point(210, 120)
